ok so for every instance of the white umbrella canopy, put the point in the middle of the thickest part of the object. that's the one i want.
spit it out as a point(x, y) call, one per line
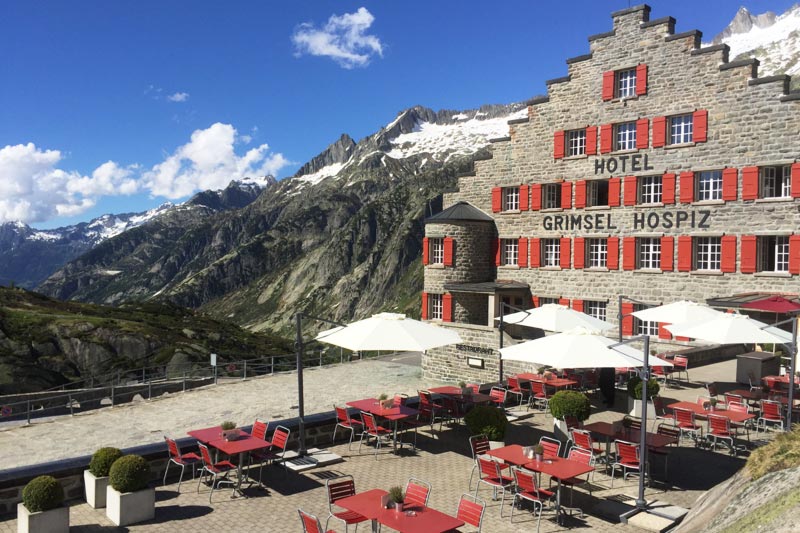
point(578, 348)
point(389, 331)
point(679, 312)
point(731, 328)
point(555, 317)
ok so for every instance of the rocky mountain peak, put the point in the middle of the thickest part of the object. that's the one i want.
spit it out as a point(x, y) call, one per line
point(744, 21)
point(337, 153)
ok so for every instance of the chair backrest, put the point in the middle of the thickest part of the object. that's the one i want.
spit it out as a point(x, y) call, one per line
point(417, 492)
point(733, 398)
point(341, 414)
point(476, 389)
point(718, 424)
point(425, 397)
point(658, 405)
point(681, 361)
point(737, 407)
point(205, 455)
point(260, 429)
point(310, 522)
point(513, 382)
point(712, 389)
point(280, 437)
point(470, 510)
point(627, 452)
point(551, 446)
point(582, 439)
point(572, 422)
point(488, 467)
point(400, 399)
point(479, 444)
point(577, 454)
point(524, 479)
point(340, 487)
point(683, 416)
point(539, 388)
point(770, 408)
point(172, 446)
point(498, 394)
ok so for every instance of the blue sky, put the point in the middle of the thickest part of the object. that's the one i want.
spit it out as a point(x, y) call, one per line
point(120, 106)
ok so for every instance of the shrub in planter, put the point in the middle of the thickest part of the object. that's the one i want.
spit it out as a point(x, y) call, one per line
point(41, 508)
point(397, 497)
point(635, 388)
point(95, 479)
point(129, 500)
point(567, 403)
point(488, 420)
point(101, 462)
point(130, 473)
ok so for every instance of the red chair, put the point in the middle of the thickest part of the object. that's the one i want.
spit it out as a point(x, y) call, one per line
point(685, 421)
point(552, 447)
point(400, 399)
point(661, 410)
point(680, 364)
point(582, 456)
point(737, 426)
point(490, 474)
point(582, 440)
point(259, 431)
point(479, 445)
point(417, 492)
point(470, 510)
point(476, 389)
point(539, 396)
point(498, 396)
point(217, 471)
point(344, 420)
point(770, 413)
point(719, 428)
point(513, 387)
point(338, 488)
point(627, 458)
point(311, 523)
point(527, 489)
point(373, 429)
point(670, 431)
point(277, 452)
point(181, 459)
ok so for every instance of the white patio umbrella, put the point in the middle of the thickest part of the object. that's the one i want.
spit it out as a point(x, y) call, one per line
point(578, 348)
point(679, 312)
point(555, 317)
point(731, 328)
point(389, 331)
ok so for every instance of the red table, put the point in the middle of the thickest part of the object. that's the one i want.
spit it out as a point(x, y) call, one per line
point(757, 395)
point(372, 405)
point(455, 392)
point(771, 381)
point(244, 444)
point(612, 431)
point(512, 454)
point(413, 519)
point(733, 416)
point(557, 383)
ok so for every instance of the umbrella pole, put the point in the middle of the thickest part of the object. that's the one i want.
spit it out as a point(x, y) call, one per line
point(792, 370)
point(298, 317)
point(500, 358)
point(645, 375)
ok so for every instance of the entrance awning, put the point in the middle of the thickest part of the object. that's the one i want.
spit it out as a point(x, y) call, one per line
point(755, 301)
point(487, 287)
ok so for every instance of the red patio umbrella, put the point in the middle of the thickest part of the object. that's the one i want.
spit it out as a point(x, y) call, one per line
point(773, 304)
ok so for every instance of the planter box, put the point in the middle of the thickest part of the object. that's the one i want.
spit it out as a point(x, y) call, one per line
point(635, 409)
point(52, 521)
point(560, 430)
point(95, 488)
point(130, 507)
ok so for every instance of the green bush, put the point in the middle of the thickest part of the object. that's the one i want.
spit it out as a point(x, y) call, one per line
point(42, 494)
point(227, 425)
point(102, 460)
point(635, 388)
point(396, 494)
point(570, 403)
point(129, 473)
point(488, 420)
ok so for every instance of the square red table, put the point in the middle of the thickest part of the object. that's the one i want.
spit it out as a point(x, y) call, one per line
point(611, 431)
point(733, 416)
point(559, 468)
point(557, 383)
point(419, 520)
point(394, 413)
point(244, 444)
point(455, 393)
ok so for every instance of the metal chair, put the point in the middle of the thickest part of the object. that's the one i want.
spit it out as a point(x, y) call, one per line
point(770, 413)
point(576, 454)
point(259, 431)
point(739, 407)
point(627, 457)
point(373, 429)
point(181, 459)
point(470, 510)
point(527, 489)
point(661, 411)
point(551, 446)
point(680, 365)
point(417, 492)
point(719, 428)
point(670, 431)
point(498, 396)
point(514, 387)
point(490, 474)
point(217, 471)
point(338, 488)
point(686, 423)
point(479, 445)
point(582, 440)
point(311, 523)
point(344, 420)
point(280, 441)
point(539, 396)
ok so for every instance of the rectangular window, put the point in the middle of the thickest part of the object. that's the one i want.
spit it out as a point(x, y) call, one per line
point(510, 198)
point(626, 83)
point(435, 306)
point(596, 253)
point(776, 182)
point(625, 136)
point(648, 253)
point(510, 249)
point(649, 189)
point(596, 193)
point(436, 251)
point(644, 327)
point(551, 252)
point(708, 185)
point(773, 254)
point(681, 129)
point(707, 253)
point(576, 142)
point(596, 309)
point(551, 196)
point(543, 300)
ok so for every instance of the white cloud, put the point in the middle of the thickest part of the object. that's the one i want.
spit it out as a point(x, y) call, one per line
point(343, 39)
point(178, 97)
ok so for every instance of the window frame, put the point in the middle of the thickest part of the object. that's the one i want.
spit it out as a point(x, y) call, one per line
point(575, 141)
point(680, 129)
point(596, 250)
point(510, 198)
point(509, 249)
point(435, 307)
point(596, 308)
point(595, 192)
point(625, 83)
point(627, 130)
point(644, 327)
point(648, 188)
point(647, 257)
point(551, 190)
point(782, 184)
point(711, 187)
point(774, 250)
point(707, 252)
point(550, 249)
point(436, 250)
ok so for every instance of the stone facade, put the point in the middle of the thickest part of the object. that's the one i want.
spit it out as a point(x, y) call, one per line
point(751, 122)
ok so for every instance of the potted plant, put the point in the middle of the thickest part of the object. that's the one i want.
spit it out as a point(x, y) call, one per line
point(129, 500)
point(538, 452)
point(712, 404)
point(466, 391)
point(385, 401)
point(635, 396)
point(95, 479)
point(397, 496)
point(568, 404)
point(490, 421)
point(41, 509)
point(229, 431)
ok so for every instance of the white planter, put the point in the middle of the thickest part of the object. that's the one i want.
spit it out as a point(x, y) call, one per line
point(495, 444)
point(635, 409)
point(95, 488)
point(130, 507)
point(560, 430)
point(52, 521)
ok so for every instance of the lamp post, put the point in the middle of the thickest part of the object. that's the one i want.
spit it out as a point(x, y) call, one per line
point(620, 316)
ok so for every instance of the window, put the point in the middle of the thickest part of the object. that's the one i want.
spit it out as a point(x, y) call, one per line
point(776, 182)
point(649, 252)
point(551, 196)
point(543, 301)
point(649, 189)
point(576, 142)
point(436, 245)
point(709, 185)
point(625, 136)
point(596, 193)
point(707, 253)
point(596, 309)
point(625, 83)
point(435, 306)
point(551, 252)
point(510, 198)
point(773, 254)
point(681, 129)
point(596, 253)
point(510, 252)
point(644, 327)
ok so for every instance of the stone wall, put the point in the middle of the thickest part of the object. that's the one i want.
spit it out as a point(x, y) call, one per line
point(471, 263)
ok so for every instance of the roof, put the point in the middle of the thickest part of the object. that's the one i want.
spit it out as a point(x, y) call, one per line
point(462, 212)
point(741, 300)
point(486, 287)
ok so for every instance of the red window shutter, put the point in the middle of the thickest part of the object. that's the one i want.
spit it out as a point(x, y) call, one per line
point(667, 253)
point(795, 177)
point(497, 199)
point(668, 188)
point(730, 184)
point(522, 260)
point(748, 254)
point(629, 253)
point(627, 318)
point(591, 140)
point(642, 131)
point(566, 195)
point(630, 191)
point(684, 253)
point(659, 132)
point(424, 306)
point(577, 305)
point(534, 251)
point(536, 197)
point(749, 183)
point(496, 251)
point(728, 253)
point(535, 300)
point(794, 254)
point(606, 133)
point(447, 307)
point(700, 126)
point(580, 252)
point(425, 251)
point(687, 187)
point(523, 197)
point(641, 79)
point(448, 251)
point(613, 192)
point(565, 249)
point(663, 333)
point(564, 302)
point(580, 194)
point(608, 85)
point(558, 145)
point(612, 261)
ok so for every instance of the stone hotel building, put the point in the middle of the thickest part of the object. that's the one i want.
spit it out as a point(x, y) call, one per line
point(656, 169)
